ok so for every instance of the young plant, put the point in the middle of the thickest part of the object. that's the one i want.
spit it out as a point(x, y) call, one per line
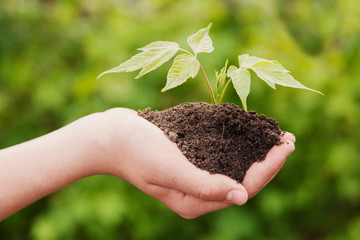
point(186, 65)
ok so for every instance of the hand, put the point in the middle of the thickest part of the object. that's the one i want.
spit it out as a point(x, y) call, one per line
point(120, 143)
point(141, 154)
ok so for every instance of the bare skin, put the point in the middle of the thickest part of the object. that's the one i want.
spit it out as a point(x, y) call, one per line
point(120, 143)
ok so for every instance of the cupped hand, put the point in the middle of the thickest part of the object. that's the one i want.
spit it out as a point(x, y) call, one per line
point(140, 153)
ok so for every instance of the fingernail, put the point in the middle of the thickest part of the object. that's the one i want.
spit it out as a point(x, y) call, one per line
point(236, 197)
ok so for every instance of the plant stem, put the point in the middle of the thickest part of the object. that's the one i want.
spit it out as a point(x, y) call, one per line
point(224, 90)
point(208, 84)
point(185, 51)
point(204, 74)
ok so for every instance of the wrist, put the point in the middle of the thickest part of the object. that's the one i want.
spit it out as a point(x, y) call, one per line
point(89, 143)
point(106, 136)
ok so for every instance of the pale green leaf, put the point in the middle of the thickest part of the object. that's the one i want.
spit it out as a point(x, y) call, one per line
point(183, 67)
point(247, 61)
point(231, 69)
point(242, 59)
point(201, 41)
point(273, 73)
point(158, 55)
point(152, 56)
point(274, 65)
point(159, 46)
point(241, 81)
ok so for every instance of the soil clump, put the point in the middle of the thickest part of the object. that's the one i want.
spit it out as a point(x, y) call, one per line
point(219, 138)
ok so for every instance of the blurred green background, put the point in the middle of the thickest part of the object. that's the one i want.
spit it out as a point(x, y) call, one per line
point(52, 51)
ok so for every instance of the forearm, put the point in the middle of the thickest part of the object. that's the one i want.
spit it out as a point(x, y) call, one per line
point(34, 169)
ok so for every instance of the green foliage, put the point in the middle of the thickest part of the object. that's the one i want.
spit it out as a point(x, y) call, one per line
point(152, 57)
point(240, 78)
point(52, 51)
point(187, 65)
point(155, 54)
point(270, 72)
point(221, 83)
point(201, 41)
point(183, 67)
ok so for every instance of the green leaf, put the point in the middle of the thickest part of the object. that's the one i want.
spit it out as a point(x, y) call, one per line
point(201, 41)
point(220, 82)
point(231, 69)
point(241, 80)
point(221, 77)
point(152, 56)
point(183, 67)
point(273, 73)
point(247, 61)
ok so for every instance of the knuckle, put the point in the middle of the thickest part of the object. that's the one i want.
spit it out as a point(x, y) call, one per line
point(208, 193)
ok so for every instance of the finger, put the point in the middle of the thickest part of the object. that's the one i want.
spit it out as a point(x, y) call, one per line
point(260, 173)
point(174, 171)
point(201, 184)
point(291, 138)
point(187, 206)
point(285, 136)
point(288, 136)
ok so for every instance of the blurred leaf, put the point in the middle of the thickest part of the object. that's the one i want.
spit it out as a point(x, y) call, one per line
point(59, 46)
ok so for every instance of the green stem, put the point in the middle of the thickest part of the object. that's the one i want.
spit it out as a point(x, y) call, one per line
point(204, 74)
point(185, 51)
point(208, 84)
point(224, 90)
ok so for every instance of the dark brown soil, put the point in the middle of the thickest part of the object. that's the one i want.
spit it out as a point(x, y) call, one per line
point(219, 138)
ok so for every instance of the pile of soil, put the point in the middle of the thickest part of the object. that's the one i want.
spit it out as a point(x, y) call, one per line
point(219, 138)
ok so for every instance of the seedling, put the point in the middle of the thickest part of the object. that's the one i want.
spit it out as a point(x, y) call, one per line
point(186, 65)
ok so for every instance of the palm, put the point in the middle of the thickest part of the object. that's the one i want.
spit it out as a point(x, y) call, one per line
point(164, 173)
